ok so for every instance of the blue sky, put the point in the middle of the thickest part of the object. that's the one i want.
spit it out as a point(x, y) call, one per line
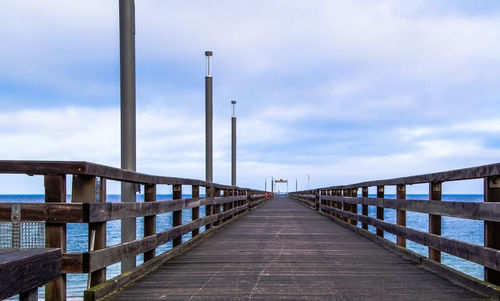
point(344, 91)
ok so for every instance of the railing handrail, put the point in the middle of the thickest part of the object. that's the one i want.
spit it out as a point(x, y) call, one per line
point(92, 169)
point(445, 176)
point(44, 265)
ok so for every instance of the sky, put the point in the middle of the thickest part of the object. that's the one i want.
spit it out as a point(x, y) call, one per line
point(342, 91)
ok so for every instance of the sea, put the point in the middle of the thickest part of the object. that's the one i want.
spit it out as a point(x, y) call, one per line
point(470, 231)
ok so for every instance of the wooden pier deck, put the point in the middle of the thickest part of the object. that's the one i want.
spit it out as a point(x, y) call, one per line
point(283, 250)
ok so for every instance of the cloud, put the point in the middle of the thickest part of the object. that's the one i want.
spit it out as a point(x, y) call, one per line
point(342, 90)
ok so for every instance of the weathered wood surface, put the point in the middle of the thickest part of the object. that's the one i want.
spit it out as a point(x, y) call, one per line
point(87, 168)
point(283, 250)
point(484, 256)
point(469, 210)
point(24, 270)
point(101, 212)
point(452, 175)
point(92, 261)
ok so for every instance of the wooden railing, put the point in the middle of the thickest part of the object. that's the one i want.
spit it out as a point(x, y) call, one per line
point(23, 271)
point(88, 205)
point(341, 202)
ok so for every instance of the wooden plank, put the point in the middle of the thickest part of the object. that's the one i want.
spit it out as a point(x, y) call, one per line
point(177, 215)
point(90, 189)
point(46, 212)
point(380, 210)
point(150, 220)
point(492, 229)
point(435, 220)
point(354, 208)
point(478, 254)
point(195, 212)
point(73, 263)
point(209, 193)
point(83, 189)
point(401, 214)
point(23, 270)
point(470, 210)
point(55, 234)
point(226, 206)
point(216, 206)
point(113, 211)
point(364, 207)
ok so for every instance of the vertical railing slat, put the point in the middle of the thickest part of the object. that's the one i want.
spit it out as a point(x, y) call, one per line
point(492, 229)
point(380, 210)
point(195, 212)
point(435, 220)
point(55, 234)
point(149, 221)
point(401, 214)
point(177, 215)
point(208, 208)
point(354, 207)
point(364, 208)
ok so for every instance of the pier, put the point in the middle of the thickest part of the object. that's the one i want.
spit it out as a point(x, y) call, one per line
point(313, 244)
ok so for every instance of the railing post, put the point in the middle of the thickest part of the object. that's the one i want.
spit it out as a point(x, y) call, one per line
point(208, 208)
point(338, 205)
point(233, 192)
point(248, 199)
point(316, 200)
point(216, 207)
point(149, 221)
point(330, 203)
point(380, 210)
point(435, 220)
point(364, 208)
point(354, 207)
point(345, 206)
point(225, 206)
point(90, 189)
point(492, 229)
point(326, 202)
point(401, 214)
point(177, 215)
point(195, 212)
point(55, 234)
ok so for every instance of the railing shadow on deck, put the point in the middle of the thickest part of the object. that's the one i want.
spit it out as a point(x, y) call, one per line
point(341, 203)
point(88, 205)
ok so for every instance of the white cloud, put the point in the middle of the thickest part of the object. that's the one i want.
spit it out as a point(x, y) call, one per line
point(323, 87)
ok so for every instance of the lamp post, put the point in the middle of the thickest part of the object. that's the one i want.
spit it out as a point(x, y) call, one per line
point(208, 121)
point(127, 117)
point(233, 145)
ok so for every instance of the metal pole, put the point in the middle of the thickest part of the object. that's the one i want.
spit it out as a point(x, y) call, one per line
point(265, 185)
point(295, 185)
point(208, 121)
point(233, 145)
point(127, 120)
